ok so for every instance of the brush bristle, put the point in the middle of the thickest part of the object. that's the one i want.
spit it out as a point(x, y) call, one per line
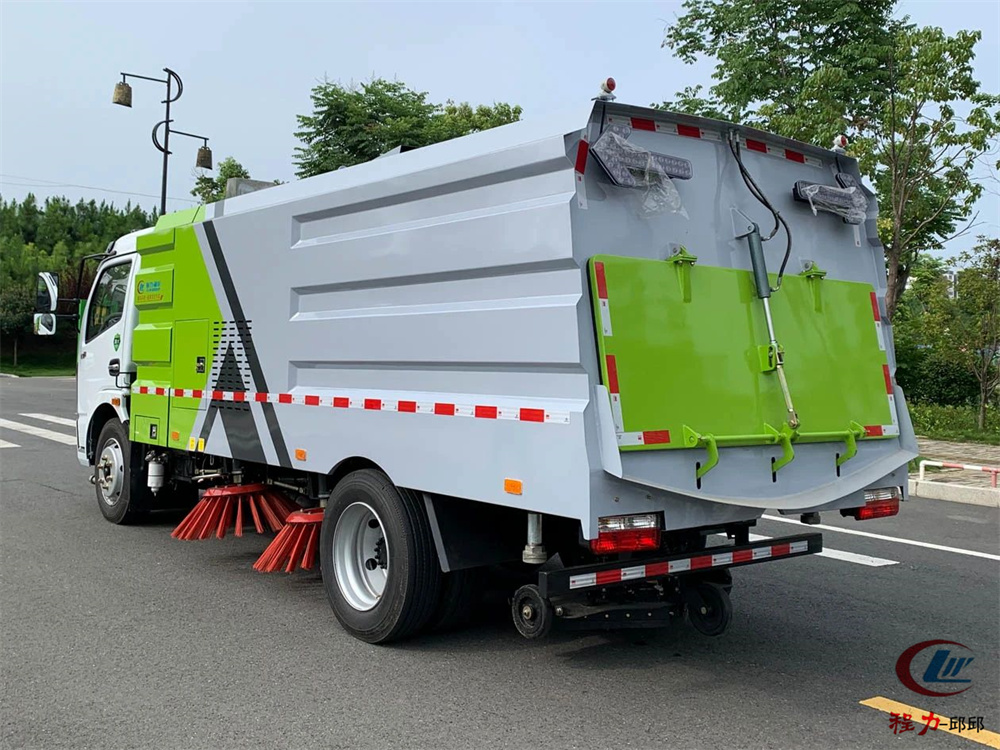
point(296, 544)
point(222, 508)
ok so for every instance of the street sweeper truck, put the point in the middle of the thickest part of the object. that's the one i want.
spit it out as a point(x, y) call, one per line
point(591, 349)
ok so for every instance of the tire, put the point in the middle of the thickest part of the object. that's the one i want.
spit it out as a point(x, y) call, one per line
point(461, 591)
point(377, 557)
point(709, 608)
point(532, 615)
point(120, 493)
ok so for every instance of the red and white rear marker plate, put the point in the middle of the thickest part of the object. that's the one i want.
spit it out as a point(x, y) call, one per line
point(719, 559)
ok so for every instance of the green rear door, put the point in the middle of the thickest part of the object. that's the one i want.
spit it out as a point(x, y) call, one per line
point(684, 354)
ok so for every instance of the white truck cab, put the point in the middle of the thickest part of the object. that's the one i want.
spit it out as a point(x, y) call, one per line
point(104, 350)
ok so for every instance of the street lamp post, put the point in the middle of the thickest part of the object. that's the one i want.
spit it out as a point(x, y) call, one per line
point(123, 96)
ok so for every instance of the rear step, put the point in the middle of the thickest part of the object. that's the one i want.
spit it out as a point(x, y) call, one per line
point(582, 577)
point(649, 594)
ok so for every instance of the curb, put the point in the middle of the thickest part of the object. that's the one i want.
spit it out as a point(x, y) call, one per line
point(955, 493)
point(8, 375)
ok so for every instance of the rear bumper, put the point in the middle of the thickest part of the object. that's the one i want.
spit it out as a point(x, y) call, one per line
point(580, 578)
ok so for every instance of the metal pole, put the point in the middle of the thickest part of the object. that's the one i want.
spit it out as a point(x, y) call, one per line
point(166, 153)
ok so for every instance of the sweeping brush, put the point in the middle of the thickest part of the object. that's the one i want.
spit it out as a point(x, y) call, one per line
point(221, 508)
point(295, 544)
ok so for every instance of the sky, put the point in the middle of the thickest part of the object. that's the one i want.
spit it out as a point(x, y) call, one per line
point(248, 68)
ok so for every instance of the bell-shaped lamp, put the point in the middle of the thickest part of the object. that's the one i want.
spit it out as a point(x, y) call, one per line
point(204, 159)
point(123, 94)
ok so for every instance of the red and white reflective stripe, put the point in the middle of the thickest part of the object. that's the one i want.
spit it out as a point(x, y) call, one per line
point(670, 128)
point(440, 408)
point(883, 430)
point(878, 322)
point(762, 147)
point(646, 437)
point(701, 562)
point(693, 131)
point(602, 297)
point(886, 430)
point(616, 399)
point(582, 150)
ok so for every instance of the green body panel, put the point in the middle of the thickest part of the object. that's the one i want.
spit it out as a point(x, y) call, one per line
point(172, 332)
point(150, 426)
point(180, 219)
point(161, 239)
point(151, 343)
point(691, 353)
point(191, 354)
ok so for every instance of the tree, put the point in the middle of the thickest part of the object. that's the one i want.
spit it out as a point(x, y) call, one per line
point(354, 124)
point(796, 67)
point(919, 153)
point(17, 308)
point(965, 328)
point(925, 372)
point(810, 69)
point(54, 238)
point(455, 120)
point(211, 189)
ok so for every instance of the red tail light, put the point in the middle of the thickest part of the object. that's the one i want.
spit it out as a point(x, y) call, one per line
point(626, 534)
point(629, 540)
point(880, 504)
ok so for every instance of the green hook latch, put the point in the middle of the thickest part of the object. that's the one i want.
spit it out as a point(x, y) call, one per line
point(683, 262)
point(815, 275)
point(783, 438)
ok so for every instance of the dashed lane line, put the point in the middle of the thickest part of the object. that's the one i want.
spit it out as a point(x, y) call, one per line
point(27, 429)
point(52, 419)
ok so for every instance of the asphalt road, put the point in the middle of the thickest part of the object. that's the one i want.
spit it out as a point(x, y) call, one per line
point(122, 637)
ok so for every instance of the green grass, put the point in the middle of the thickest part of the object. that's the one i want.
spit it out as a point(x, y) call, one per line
point(39, 363)
point(956, 423)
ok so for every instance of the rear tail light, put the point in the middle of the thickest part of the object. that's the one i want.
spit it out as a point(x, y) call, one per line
point(879, 503)
point(626, 534)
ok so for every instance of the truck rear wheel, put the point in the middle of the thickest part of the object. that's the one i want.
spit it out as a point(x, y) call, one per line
point(118, 497)
point(379, 565)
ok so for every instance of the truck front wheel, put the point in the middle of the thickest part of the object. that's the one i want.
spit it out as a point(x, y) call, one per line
point(379, 565)
point(119, 501)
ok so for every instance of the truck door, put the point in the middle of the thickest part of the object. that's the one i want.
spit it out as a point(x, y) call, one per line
point(105, 341)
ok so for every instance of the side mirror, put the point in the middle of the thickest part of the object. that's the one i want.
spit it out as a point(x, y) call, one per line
point(47, 294)
point(45, 324)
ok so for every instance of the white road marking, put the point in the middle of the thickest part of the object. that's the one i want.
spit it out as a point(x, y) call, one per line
point(836, 554)
point(883, 537)
point(5, 444)
point(52, 419)
point(59, 437)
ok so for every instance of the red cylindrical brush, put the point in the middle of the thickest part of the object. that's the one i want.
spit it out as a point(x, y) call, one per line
point(222, 508)
point(295, 545)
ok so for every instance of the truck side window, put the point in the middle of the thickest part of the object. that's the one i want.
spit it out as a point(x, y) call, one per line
point(107, 304)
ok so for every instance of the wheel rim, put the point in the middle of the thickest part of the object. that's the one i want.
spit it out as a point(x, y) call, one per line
point(708, 613)
point(110, 472)
point(360, 556)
